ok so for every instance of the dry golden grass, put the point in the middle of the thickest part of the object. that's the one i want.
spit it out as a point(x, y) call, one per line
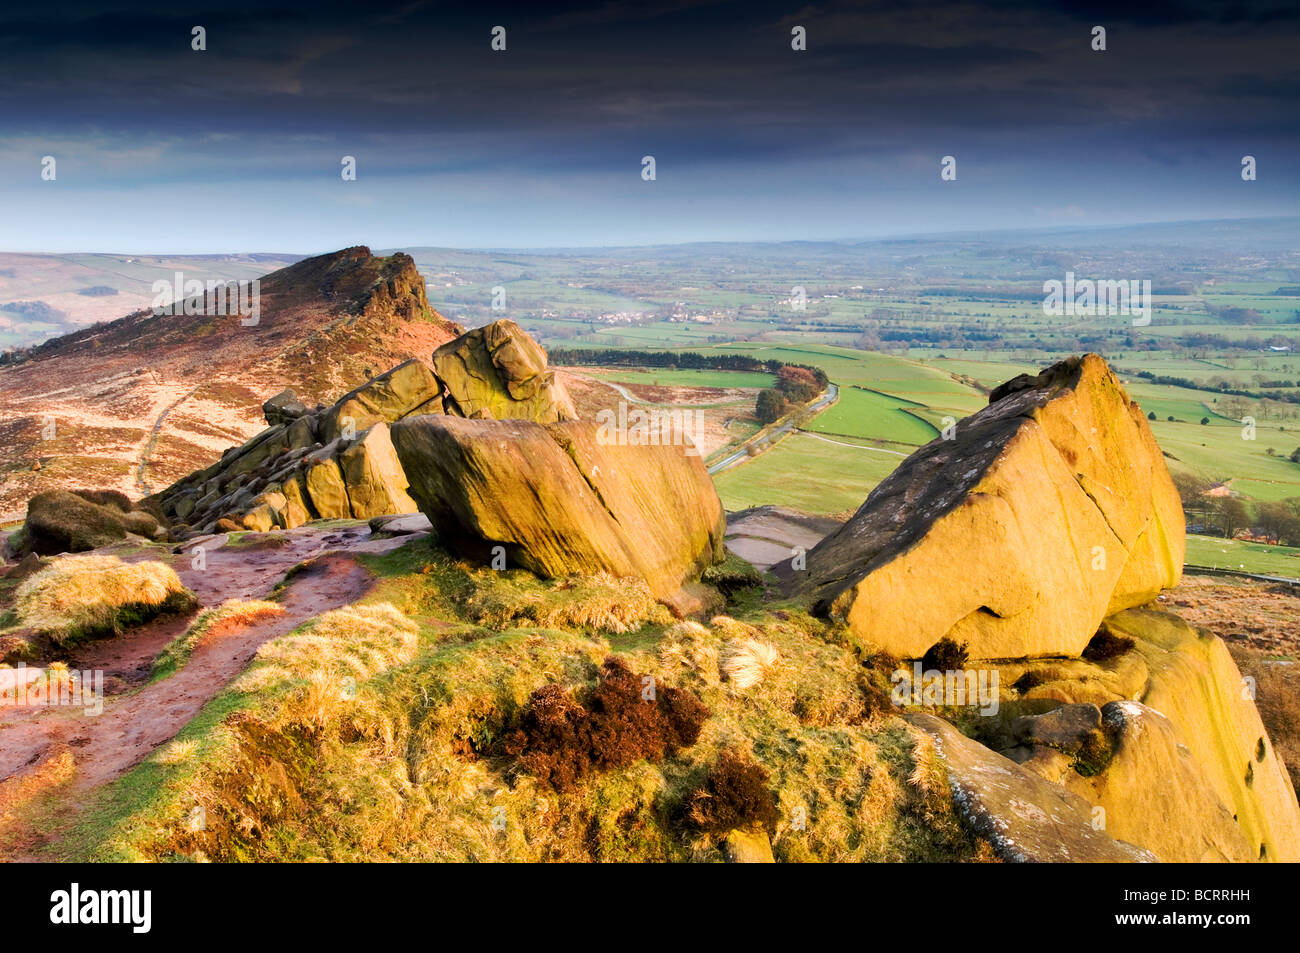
point(354, 642)
point(355, 738)
point(177, 751)
point(602, 602)
point(82, 596)
point(747, 661)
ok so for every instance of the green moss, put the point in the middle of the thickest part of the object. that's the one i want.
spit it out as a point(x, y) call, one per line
point(1095, 755)
point(733, 576)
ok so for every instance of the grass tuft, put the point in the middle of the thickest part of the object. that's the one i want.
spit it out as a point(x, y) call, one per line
point(79, 597)
point(748, 661)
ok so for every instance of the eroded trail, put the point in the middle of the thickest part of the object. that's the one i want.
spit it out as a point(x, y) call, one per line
point(79, 752)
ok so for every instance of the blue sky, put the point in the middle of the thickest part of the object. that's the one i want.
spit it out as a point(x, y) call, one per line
point(163, 149)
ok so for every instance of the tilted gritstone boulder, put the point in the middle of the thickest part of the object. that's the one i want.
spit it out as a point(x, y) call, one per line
point(1195, 684)
point(1050, 509)
point(1187, 770)
point(389, 396)
point(1025, 818)
point(495, 371)
point(560, 501)
point(498, 371)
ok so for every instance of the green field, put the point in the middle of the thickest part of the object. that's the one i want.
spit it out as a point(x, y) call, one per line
point(901, 402)
point(874, 416)
point(1243, 556)
point(808, 474)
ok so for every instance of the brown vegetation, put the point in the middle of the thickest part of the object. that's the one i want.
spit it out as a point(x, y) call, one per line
point(560, 740)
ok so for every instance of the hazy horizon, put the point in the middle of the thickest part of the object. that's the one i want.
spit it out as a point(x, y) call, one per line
point(541, 146)
point(955, 234)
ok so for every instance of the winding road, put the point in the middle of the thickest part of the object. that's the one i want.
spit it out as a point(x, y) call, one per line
point(828, 398)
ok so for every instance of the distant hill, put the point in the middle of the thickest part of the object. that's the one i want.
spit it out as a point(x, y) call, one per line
point(145, 399)
point(79, 290)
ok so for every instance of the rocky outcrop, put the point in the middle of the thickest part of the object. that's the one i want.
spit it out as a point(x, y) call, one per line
point(373, 475)
point(560, 501)
point(62, 521)
point(499, 372)
point(1049, 510)
point(337, 462)
point(407, 388)
point(1164, 737)
point(325, 325)
point(1023, 816)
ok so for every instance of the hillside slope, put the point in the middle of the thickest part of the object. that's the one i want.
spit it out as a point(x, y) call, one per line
point(141, 401)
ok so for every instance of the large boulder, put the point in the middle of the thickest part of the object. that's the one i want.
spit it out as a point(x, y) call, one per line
point(1047, 511)
point(498, 371)
point(389, 396)
point(325, 487)
point(374, 477)
point(560, 501)
point(1163, 734)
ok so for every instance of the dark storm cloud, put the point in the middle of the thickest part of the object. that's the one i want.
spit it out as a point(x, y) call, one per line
point(588, 88)
point(347, 65)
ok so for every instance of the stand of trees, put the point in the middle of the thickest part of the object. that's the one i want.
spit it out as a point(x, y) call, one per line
point(1228, 515)
point(686, 360)
point(795, 383)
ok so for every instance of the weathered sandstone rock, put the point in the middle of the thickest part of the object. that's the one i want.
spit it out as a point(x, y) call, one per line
point(325, 486)
point(1195, 684)
point(1023, 816)
point(375, 480)
point(495, 371)
point(388, 397)
point(500, 372)
point(1051, 509)
point(1185, 768)
point(283, 408)
point(560, 502)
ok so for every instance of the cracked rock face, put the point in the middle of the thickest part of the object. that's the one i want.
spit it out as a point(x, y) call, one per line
point(560, 501)
point(498, 371)
point(1051, 509)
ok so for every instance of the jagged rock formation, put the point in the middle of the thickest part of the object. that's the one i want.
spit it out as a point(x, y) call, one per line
point(339, 462)
point(499, 372)
point(561, 501)
point(142, 401)
point(1049, 510)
